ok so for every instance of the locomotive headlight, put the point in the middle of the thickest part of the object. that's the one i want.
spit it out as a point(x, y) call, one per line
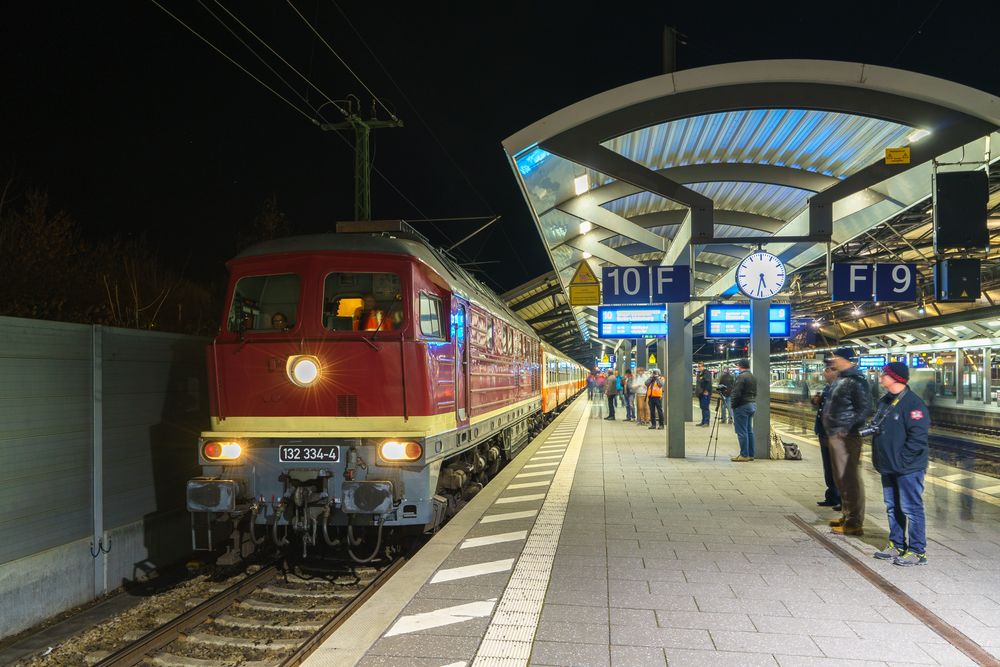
point(215, 450)
point(303, 369)
point(400, 450)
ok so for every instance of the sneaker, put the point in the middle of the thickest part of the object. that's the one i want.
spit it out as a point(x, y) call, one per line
point(741, 459)
point(837, 507)
point(837, 522)
point(909, 559)
point(652, 428)
point(660, 428)
point(826, 503)
point(890, 552)
point(847, 530)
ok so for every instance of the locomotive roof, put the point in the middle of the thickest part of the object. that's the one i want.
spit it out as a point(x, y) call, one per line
point(400, 243)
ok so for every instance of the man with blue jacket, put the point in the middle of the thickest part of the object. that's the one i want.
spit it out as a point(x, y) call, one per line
point(899, 453)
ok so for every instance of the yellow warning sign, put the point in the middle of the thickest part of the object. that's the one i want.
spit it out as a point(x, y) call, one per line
point(584, 275)
point(652, 359)
point(897, 155)
point(588, 294)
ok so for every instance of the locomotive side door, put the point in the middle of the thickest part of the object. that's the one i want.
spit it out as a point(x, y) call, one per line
point(460, 334)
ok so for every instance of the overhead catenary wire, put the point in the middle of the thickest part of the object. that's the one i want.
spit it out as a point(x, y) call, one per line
point(249, 48)
point(327, 98)
point(342, 61)
point(222, 53)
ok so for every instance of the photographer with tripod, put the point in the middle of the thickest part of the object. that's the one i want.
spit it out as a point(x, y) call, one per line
point(899, 454)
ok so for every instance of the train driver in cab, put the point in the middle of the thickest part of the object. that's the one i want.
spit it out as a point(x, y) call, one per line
point(369, 317)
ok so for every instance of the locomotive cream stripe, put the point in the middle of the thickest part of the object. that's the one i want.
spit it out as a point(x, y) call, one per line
point(348, 427)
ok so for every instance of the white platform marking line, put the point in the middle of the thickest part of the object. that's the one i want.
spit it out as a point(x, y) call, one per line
point(955, 477)
point(557, 448)
point(992, 490)
point(441, 617)
point(518, 499)
point(535, 474)
point(547, 457)
point(509, 636)
point(499, 538)
point(460, 663)
point(466, 571)
point(527, 485)
point(540, 465)
point(508, 516)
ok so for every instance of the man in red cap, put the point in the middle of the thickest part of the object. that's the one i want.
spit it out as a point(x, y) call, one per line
point(899, 453)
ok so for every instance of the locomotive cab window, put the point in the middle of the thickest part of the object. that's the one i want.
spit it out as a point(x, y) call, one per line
point(265, 303)
point(355, 301)
point(430, 316)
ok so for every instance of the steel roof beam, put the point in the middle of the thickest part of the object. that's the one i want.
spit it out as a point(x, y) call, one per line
point(535, 298)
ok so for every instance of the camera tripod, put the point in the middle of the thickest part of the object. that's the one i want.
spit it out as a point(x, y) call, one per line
point(713, 435)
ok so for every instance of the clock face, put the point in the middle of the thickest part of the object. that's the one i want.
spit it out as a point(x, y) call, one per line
point(760, 275)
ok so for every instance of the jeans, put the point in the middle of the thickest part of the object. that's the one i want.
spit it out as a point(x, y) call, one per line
point(743, 423)
point(704, 400)
point(832, 493)
point(655, 407)
point(629, 406)
point(727, 409)
point(904, 503)
point(845, 455)
point(611, 406)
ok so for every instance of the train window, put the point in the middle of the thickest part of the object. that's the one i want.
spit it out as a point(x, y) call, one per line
point(259, 301)
point(430, 316)
point(354, 301)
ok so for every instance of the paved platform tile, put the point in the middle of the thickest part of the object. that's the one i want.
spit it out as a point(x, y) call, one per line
point(693, 658)
point(569, 655)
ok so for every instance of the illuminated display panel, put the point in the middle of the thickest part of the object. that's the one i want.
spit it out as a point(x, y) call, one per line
point(631, 321)
point(871, 361)
point(733, 321)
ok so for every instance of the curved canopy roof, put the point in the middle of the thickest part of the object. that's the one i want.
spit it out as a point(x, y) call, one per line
point(629, 176)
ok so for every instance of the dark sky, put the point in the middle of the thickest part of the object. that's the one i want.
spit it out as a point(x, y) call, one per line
point(134, 126)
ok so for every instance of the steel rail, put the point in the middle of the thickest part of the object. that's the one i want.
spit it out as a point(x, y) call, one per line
point(321, 635)
point(131, 654)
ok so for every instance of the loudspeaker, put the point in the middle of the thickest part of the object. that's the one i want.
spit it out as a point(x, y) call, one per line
point(960, 199)
point(957, 280)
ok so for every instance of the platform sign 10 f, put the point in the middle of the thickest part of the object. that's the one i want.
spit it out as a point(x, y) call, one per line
point(874, 282)
point(637, 285)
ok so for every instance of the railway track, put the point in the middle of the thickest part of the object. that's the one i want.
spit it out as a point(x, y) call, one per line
point(271, 618)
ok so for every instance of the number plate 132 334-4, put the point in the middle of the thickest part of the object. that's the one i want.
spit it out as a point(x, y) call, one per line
point(298, 453)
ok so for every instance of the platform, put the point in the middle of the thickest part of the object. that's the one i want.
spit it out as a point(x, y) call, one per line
point(593, 548)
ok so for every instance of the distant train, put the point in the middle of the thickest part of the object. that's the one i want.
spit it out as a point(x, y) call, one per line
point(363, 381)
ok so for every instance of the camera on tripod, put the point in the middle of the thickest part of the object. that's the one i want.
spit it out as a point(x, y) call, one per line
point(722, 389)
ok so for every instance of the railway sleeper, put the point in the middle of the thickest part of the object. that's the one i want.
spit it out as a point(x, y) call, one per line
point(285, 608)
point(171, 660)
point(241, 622)
point(243, 642)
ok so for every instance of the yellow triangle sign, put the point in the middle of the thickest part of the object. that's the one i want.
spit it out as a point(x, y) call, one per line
point(964, 294)
point(584, 275)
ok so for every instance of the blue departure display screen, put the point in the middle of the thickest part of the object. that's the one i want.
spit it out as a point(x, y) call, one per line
point(732, 320)
point(871, 361)
point(631, 321)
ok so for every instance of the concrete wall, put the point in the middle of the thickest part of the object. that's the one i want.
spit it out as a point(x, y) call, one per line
point(136, 409)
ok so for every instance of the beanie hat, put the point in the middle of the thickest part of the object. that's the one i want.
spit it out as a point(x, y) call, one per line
point(898, 371)
point(845, 352)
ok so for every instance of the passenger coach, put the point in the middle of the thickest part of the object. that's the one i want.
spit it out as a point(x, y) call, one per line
point(363, 380)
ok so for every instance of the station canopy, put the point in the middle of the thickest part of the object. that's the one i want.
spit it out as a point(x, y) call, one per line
point(616, 179)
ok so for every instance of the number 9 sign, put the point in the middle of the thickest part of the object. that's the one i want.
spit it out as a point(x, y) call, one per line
point(895, 282)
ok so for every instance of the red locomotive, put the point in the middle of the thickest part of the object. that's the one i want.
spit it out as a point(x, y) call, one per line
point(363, 380)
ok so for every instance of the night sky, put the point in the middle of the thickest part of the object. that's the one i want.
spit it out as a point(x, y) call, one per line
point(136, 127)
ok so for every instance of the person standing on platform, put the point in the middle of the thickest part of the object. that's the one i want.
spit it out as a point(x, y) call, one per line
point(726, 382)
point(599, 385)
point(704, 391)
point(832, 496)
point(611, 392)
point(629, 395)
point(744, 406)
point(844, 413)
point(641, 402)
point(654, 393)
point(900, 455)
point(591, 383)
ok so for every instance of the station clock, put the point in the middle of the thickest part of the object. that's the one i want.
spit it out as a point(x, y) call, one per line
point(760, 275)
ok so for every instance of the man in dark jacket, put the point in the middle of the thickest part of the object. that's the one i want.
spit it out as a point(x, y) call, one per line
point(744, 406)
point(704, 390)
point(844, 413)
point(611, 392)
point(726, 382)
point(899, 453)
point(832, 496)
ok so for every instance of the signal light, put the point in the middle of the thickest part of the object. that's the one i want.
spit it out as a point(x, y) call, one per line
point(400, 450)
point(221, 451)
point(303, 369)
